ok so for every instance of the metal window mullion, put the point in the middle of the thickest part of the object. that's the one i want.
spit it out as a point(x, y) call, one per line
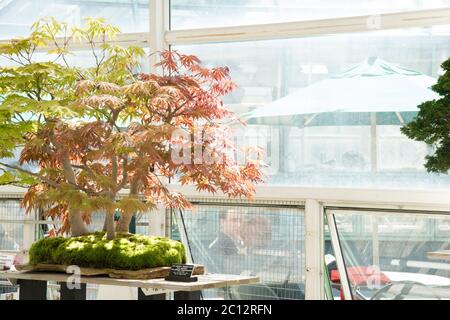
point(29, 232)
point(343, 276)
point(183, 235)
point(125, 39)
point(405, 199)
point(157, 221)
point(161, 37)
point(159, 25)
point(386, 21)
point(314, 251)
point(371, 210)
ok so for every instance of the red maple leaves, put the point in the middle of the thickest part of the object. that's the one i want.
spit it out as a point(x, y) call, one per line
point(125, 140)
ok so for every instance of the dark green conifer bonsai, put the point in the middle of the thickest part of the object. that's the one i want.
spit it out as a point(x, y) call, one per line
point(432, 124)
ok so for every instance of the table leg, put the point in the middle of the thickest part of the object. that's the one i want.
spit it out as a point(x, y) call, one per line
point(143, 296)
point(32, 289)
point(72, 294)
point(187, 295)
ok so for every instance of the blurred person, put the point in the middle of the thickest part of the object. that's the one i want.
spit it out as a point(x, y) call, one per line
point(225, 251)
point(268, 264)
point(228, 240)
point(256, 233)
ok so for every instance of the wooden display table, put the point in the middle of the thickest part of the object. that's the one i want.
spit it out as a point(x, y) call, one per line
point(33, 285)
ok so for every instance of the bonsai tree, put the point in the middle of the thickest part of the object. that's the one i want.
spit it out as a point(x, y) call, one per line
point(87, 134)
point(432, 124)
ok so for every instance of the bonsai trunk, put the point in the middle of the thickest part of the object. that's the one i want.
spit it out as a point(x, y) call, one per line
point(77, 226)
point(109, 225)
point(123, 225)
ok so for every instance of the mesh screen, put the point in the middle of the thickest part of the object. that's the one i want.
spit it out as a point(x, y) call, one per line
point(267, 241)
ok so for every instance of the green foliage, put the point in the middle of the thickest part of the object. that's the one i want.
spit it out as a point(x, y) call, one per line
point(15, 177)
point(125, 252)
point(6, 178)
point(432, 124)
point(134, 204)
point(34, 92)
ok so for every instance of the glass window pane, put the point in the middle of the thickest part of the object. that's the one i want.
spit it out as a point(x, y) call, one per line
point(263, 241)
point(332, 286)
point(11, 225)
point(388, 255)
point(328, 110)
point(17, 16)
point(187, 14)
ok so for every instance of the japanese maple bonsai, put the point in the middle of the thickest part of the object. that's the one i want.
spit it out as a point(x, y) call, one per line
point(87, 134)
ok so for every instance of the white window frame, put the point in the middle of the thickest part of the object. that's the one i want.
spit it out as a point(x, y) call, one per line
point(317, 198)
point(298, 29)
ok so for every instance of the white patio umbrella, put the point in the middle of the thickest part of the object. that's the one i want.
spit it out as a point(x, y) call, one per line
point(373, 93)
point(370, 88)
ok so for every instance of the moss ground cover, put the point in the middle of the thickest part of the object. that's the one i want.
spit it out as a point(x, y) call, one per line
point(125, 252)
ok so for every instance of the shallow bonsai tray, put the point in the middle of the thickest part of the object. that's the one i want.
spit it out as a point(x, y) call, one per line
point(142, 274)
